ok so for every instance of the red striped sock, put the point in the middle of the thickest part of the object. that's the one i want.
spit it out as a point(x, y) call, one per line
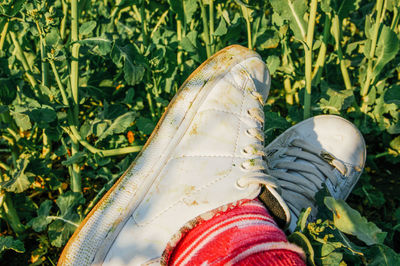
point(241, 234)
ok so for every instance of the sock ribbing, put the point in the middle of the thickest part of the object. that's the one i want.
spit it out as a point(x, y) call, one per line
point(238, 236)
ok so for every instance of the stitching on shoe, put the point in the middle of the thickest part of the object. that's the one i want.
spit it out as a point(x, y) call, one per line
point(215, 180)
point(211, 155)
point(220, 110)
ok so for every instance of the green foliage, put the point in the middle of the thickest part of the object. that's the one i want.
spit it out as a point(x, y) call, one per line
point(8, 242)
point(349, 221)
point(325, 241)
point(77, 102)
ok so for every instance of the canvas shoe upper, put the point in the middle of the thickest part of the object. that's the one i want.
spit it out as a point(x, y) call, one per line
point(325, 149)
point(205, 152)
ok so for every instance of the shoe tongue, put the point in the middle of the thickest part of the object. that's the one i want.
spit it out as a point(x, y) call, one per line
point(274, 207)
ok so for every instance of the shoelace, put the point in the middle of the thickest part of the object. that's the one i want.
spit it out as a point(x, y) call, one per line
point(256, 167)
point(303, 174)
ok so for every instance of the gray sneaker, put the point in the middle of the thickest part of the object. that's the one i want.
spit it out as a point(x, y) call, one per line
point(325, 149)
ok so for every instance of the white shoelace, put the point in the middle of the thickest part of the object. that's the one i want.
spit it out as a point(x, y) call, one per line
point(256, 167)
point(301, 169)
point(298, 169)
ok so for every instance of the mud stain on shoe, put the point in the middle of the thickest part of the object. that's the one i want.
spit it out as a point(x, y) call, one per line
point(190, 202)
point(189, 189)
point(193, 131)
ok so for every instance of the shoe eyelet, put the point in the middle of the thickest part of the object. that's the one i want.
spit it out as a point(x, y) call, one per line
point(244, 151)
point(248, 133)
point(242, 167)
point(238, 185)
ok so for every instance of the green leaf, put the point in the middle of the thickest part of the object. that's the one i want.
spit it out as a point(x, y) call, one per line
point(43, 115)
point(40, 222)
point(64, 224)
point(190, 7)
point(68, 201)
point(386, 50)
point(8, 242)
point(3, 109)
point(275, 121)
point(350, 221)
point(22, 121)
point(188, 42)
point(12, 7)
point(268, 40)
point(76, 158)
point(293, 11)
point(302, 241)
point(395, 144)
point(87, 27)
point(187, 45)
point(273, 62)
point(379, 255)
point(100, 45)
point(133, 73)
point(392, 94)
point(303, 219)
point(334, 258)
point(119, 125)
point(337, 101)
point(177, 7)
point(341, 7)
point(20, 180)
point(221, 29)
point(145, 125)
point(52, 38)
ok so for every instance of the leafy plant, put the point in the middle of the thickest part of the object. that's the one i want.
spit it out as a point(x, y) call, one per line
point(83, 83)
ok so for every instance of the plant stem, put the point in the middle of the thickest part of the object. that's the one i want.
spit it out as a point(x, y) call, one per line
point(150, 101)
point(104, 153)
point(59, 83)
point(382, 154)
point(211, 11)
point(161, 20)
point(76, 180)
point(364, 90)
point(287, 83)
point(4, 166)
point(45, 82)
point(317, 72)
point(21, 57)
point(74, 131)
point(12, 215)
point(205, 28)
point(44, 64)
point(337, 25)
point(46, 144)
point(63, 23)
point(308, 58)
point(246, 15)
point(3, 35)
point(179, 35)
point(395, 21)
point(75, 57)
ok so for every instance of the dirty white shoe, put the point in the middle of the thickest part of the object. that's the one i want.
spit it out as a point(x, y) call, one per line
point(205, 152)
point(325, 149)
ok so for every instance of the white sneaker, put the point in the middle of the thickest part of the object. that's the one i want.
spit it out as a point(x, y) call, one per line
point(205, 152)
point(323, 149)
